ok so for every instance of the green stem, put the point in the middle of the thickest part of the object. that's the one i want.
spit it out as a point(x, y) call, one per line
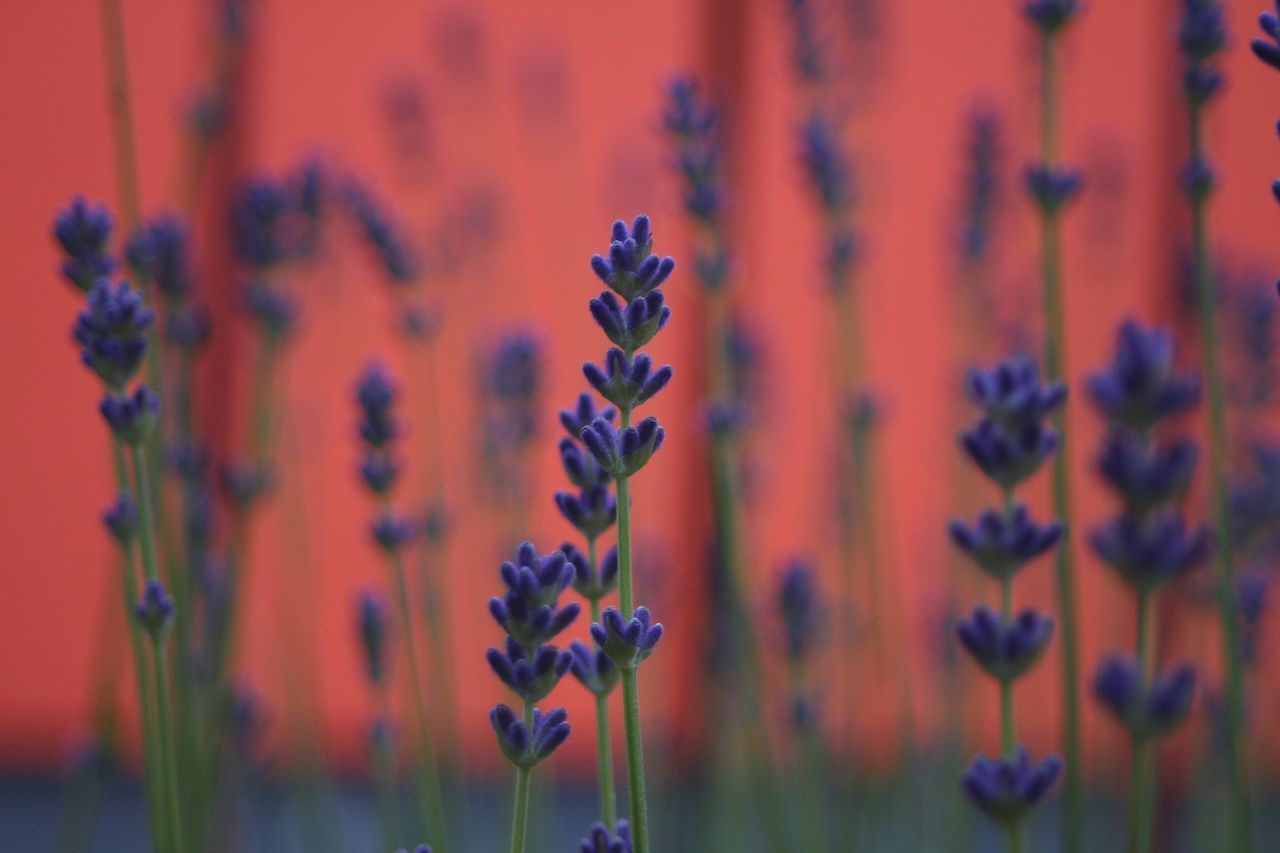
point(1142, 779)
point(604, 740)
point(168, 747)
point(635, 762)
point(384, 756)
point(121, 114)
point(1224, 556)
point(146, 692)
point(1013, 835)
point(1008, 743)
point(1055, 363)
point(428, 775)
point(520, 813)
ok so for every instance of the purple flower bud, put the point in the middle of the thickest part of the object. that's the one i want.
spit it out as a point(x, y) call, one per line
point(632, 270)
point(1050, 16)
point(244, 483)
point(275, 311)
point(131, 418)
point(1012, 394)
point(121, 519)
point(1141, 386)
point(623, 453)
point(372, 623)
point(112, 331)
point(83, 232)
point(391, 531)
point(1151, 712)
point(1007, 457)
point(1146, 475)
point(583, 415)
point(1052, 187)
point(1006, 650)
point(531, 676)
point(593, 668)
point(1005, 789)
point(600, 841)
point(1150, 552)
point(160, 252)
point(628, 643)
point(633, 325)
point(528, 611)
point(524, 746)
point(627, 381)
point(155, 610)
point(1002, 543)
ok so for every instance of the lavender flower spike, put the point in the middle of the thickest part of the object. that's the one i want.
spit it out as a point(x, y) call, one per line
point(528, 611)
point(1141, 386)
point(623, 453)
point(1006, 650)
point(112, 331)
point(627, 644)
point(526, 746)
point(83, 231)
point(632, 270)
point(1006, 789)
point(627, 381)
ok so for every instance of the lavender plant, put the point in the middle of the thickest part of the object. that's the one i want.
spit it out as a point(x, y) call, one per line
point(372, 626)
point(531, 616)
point(112, 333)
point(592, 510)
point(1148, 544)
point(379, 430)
point(633, 273)
point(1008, 445)
point(1051, 186)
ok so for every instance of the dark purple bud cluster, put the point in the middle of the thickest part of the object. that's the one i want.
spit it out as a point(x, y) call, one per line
point(530, 614)
point(121, 519)
point(1146, 475)
point(829, 171)
point(525, 745)
point(593, 668)
point(632, 270)
point(262, 226)
point(1001, 543)
point(244, 482)
point(627, 381)
point(1267, 48)
point(600, 841)
point(132, 417)
point(160, 252)
point(155, 610)
point(1142, 387)
point(1050, 16)
point(1005, 789)
point(1006, 650)
point(622, 453)
point(1202, 33)
point(512, 383)
point(275, 311)
point(1052, 187)
point(391, 530)
point(590, 581)
point(371, 610)
point(112, 331)
point(1149, 552)
point(798, 607)
point(421, 848)
point(83, 231)
point(1149, 710)
point(627, 643)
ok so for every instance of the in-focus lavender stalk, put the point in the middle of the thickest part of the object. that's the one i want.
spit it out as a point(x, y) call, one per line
point(530, 614)
point(1008, 445)
point(633, 273)
point(379, 430)
point(1148, 544)
point(592, 510)
point(695, 129)
point(1051, 185)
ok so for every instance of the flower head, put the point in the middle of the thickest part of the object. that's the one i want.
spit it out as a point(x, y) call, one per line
point(390, 531)
point(160, 252)
point(1146, 475)
point(590, 581)
point(1050, 16)
point(830, 173)
point(531, 675)
point(275, 311)
point(632, 270)
point(112, 331)
point(1007, 788)
point(627, 381)
point(525, 746)
point(628, 643)
point(981, 187)
point(528, 611)
point(692, 124)
point(394, 253)
point(1006, 650)
point(1052, 187)
point(1012, 394)
point(1202, 33)
point(634, 324)
point(376, 395)
point(83, 231)
point(372, 622)
point(1149, 553)
point(132, 417)
point(593, 668)
point(1002, 543)
point(580, 417)
point(600, 841)
point(623, 453)
point(1009, 457)
point(1141, 386)
point(1151, 712)
point(155, 610)
point(121, 519)
point(797, 604)
point(261, 225)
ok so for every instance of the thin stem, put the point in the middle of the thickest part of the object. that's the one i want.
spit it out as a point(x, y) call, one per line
point(145, 687)
point(1008, 744)
point(1013, 835)
point(520, 815)
point(168, 747)
point(1142, 795)
point(1224, 557)
point(635, 762)
point(384, 756)
point(1055, 363)
point(121, 114)
point(428, 773)
point(604, 740)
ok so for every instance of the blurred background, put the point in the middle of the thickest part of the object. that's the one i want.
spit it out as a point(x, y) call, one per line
point(505, 138)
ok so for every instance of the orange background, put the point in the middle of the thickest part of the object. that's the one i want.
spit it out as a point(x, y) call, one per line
point(559, 119)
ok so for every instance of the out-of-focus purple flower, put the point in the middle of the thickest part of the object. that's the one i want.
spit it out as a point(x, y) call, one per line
point(1251, 603)
point(528, 611)
point(593, 668)
point(187, 326)
point(155, 609)
point(121, 519)
point(1268, 48)
point(1002, 543)
point(623, 453)
point(627, 643)
point(981, 197)
point(633, 325)
point(1005, 789)
point(1006, 650)
point(600, 841)
point(421, 848)
point(372, 622)
point(1202, 32)
point(261, 225)
point(532, 675)
point(1141, 386)
point(1052, 187)
point(1149, 553)
point(526, 746)
point(1012, 394)
point(830, 173)
point(132, 417)
point(1009, 458)
point(632, 270)
point(83, 231)
point(112, 331)
point(592, 582)
point(1155, 711)
point(275, 311)
point(1050, 16)
point(806, 53)
point(376, 395)
point(798, 607)
point(160, 252)
point(395, 254)
point(692, 124)
point(1143, 474)
point(244, 482)
point(1198, 179)
point(391, 531)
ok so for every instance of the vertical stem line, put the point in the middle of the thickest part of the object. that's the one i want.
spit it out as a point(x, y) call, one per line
point(604, 741)
point(1224, 565)
point(428, 773)
point(121, 113)
point(635, 762)
point(385, 760)
point(1143, 763)
point(1055, 365)
point(520, 814)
